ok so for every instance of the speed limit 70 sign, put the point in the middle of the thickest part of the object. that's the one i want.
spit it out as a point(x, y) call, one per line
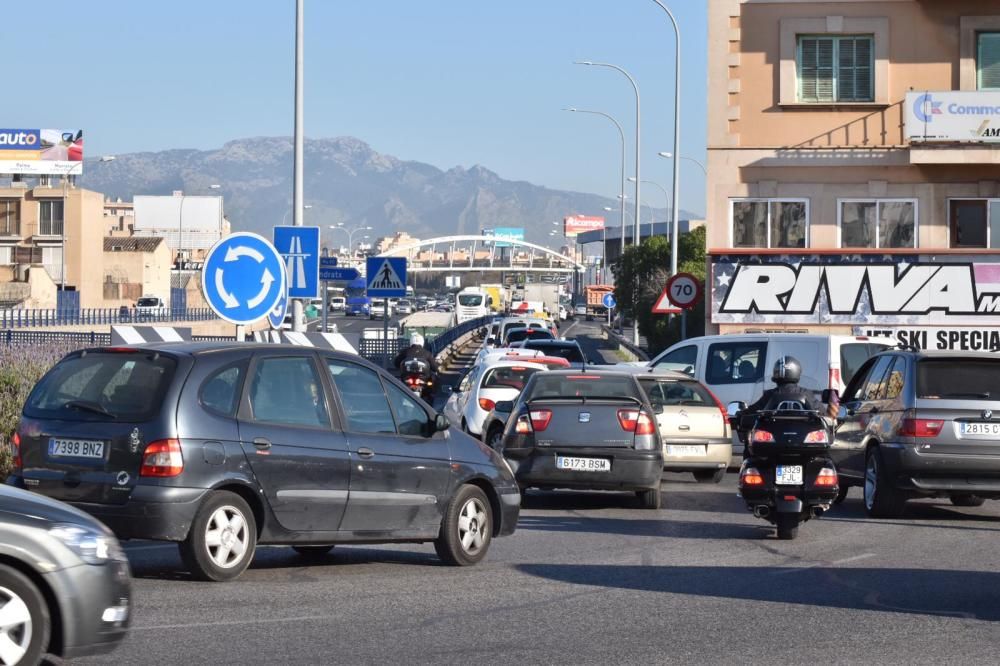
point(684, 290)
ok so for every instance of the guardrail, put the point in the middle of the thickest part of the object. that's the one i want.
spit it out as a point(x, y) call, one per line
point(626, 345)
point(442, 342)
point(37, 318)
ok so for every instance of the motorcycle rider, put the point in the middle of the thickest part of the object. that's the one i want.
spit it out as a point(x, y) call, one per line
point(787, 394)
point(416, 350)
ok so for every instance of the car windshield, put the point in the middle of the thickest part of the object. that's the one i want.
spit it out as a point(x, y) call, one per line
point(583, 385)
point(121, 386)
point(571, 353)
point(519, 334)
point(957, 378)
point(670, 392)
point(511, 377)
point(147, 302)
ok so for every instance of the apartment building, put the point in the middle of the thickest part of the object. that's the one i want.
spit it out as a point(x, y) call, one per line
point(854, 168)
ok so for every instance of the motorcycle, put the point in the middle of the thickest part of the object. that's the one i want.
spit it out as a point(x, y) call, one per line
point(417, 377)
point(787, 477)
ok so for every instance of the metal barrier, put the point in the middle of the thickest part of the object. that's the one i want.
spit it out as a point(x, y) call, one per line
point(12, 338)
point(98, 316)
point(443, 341)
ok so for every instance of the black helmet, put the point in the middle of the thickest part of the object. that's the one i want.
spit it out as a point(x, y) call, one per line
point(787, 370)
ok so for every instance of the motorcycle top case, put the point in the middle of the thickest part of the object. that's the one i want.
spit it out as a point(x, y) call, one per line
point(790, 433)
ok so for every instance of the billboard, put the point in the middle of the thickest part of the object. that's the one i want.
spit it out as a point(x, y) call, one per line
point(958, 116)
point(41, 151)
point(578, 224)
point(856, 289)
point(510, 233)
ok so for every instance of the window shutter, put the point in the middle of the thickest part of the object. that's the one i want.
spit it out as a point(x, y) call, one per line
point(845, 75)
point(854, 76)
point(989, 61)
point(816, 69)
point(807, 70)
point(824, 70)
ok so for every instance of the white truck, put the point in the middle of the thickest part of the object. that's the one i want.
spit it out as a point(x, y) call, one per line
point(546, 294)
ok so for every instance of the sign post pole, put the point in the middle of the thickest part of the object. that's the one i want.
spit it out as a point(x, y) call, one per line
point(385, 334)
point(326, 305)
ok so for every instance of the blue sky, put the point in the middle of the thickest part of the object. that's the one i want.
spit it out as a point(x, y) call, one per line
point(449, 82)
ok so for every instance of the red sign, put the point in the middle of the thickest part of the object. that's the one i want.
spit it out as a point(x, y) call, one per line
point(683, 290)
point(578, 224)
point(663, 305)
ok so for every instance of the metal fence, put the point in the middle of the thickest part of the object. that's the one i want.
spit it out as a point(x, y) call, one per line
point(441, 342)
point(12, 338)
point(98, 316)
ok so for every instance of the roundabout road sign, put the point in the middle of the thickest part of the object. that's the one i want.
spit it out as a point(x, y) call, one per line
point(684, 290)
point(243, 278)
point(276, 317)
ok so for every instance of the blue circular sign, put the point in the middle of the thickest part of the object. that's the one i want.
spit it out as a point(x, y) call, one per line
point(609, 301)
point(243, 278)
point(276, 317)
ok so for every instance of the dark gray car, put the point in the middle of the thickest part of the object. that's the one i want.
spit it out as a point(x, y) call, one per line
point(921, 424)
point(64, 581)
point(223, 446)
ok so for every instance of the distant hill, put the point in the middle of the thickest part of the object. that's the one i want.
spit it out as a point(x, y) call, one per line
point(345, 181)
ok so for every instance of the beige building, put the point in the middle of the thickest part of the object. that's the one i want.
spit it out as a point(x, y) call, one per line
point(135, 267)
point(854, 167)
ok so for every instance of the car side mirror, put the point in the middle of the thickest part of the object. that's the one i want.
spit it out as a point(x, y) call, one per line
point(491, 341)
point(658, 408)
point(844, 413)
point(441, 423)
point(734, 408)
point(830, 396)
point(505, 406)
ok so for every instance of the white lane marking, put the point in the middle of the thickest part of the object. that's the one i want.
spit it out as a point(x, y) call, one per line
point(835, 563)
point(234, 623)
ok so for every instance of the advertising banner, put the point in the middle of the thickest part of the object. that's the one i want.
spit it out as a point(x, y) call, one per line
point(871, 290)
point(961, 116)
point(41, 151)
point(509, 233)
point(575, 225)
point(932, 338)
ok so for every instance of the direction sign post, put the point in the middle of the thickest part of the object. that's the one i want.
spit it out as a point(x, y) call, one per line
point(243, 278)
point(328, 263)
point(386, 277)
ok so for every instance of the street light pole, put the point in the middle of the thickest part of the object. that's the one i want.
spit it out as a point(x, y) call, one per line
point(621, 134)
point(701, 166)
point(638, 144)
point(665, 196)
point(677, 133)
point(298, 325)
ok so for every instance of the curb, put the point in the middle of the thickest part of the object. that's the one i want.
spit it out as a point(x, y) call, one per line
point(624, 345)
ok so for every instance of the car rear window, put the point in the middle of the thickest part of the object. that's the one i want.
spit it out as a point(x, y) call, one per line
point(520, 334)
point(571, 353)
point(96, 386)
point(147, 302)
point(673, 393)
point(958, 378)
point(513, 377)
point(584, 385)
point(853, 355)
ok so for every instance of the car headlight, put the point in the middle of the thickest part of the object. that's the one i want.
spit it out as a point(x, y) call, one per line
point(90, 545)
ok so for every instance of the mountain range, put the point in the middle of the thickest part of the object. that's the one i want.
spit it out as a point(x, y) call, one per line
point(348, 182)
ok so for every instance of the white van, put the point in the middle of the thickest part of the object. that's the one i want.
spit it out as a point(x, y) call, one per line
point(737, 367)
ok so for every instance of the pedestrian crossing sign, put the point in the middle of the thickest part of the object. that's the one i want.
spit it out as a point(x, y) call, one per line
point(386, 277)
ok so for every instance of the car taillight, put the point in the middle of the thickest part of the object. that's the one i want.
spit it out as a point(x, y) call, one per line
point(827, 477)
point(16, 445)
point(762, 437)
point(628, 419)
point(486, 404)
point(751, 477)
point(540, 419)
point(920, 427)
point(523, 425)
point(162, 458)
point(817, 437)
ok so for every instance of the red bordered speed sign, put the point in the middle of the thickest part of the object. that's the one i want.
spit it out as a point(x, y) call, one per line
point(684, 290)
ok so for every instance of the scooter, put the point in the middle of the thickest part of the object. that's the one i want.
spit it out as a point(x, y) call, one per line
point(417, 377)
point(787, 477)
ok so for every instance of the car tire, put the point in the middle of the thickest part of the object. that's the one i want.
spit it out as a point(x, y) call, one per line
point(312, 551)
point(842, 493)
point(710, 475)
point(494, 438)
point(788, 525)
point(967, 500)
point(24, 606)
point(650, 499)
point(466, 529)
point(881, 499)
point(208, 550)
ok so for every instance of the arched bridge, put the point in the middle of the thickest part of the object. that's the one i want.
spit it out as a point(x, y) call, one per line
point(449, 254)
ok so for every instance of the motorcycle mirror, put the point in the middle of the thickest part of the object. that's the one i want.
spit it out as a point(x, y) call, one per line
point(843, 413)
point(733, 408)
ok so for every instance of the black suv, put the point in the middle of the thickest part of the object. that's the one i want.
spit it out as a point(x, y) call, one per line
point(921, 424)
point(224, 446)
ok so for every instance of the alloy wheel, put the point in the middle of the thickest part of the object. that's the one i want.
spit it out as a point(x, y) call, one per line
point(472, 525)
point(15, 627)
point(227, 537)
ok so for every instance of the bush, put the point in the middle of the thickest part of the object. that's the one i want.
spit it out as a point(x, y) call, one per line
point(20, 369)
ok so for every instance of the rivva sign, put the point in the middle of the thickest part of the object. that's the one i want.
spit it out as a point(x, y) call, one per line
point(895, 290)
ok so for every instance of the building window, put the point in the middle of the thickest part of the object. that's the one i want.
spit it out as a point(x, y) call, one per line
point(836, 69)
point(6, 256)
point(770, 223)
point(50, 217)
point(878, 223)
point(52, 261)
point(10, 217)
point(988, 61)
point(974, 223)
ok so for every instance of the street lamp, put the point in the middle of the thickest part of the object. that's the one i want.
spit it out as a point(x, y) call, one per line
point(701, 166)
point(665, 196)
point(621, 134)
point(350, 235)
point(62, 249)
point(677, 134)
point(285, 216)
point(180, 225)
point(638, 122)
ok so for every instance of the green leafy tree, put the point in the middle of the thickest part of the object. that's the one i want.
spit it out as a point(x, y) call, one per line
point(640, 276)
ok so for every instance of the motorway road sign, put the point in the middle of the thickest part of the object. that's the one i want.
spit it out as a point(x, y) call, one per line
point(684, 290)
point(243, 278)
point(300, 248)
point(345, 274)
point(327, 262)
point(609, 301)
point(386, 277)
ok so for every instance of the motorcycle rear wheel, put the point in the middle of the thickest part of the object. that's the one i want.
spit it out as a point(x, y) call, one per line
point(788, 525)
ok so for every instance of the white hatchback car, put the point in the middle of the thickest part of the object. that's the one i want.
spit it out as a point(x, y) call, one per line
point(482, 387)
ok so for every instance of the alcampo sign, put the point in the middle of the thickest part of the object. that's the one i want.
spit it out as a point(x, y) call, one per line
point(856, 289)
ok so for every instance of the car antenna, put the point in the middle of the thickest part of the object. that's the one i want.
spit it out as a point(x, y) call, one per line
point(584, 367)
